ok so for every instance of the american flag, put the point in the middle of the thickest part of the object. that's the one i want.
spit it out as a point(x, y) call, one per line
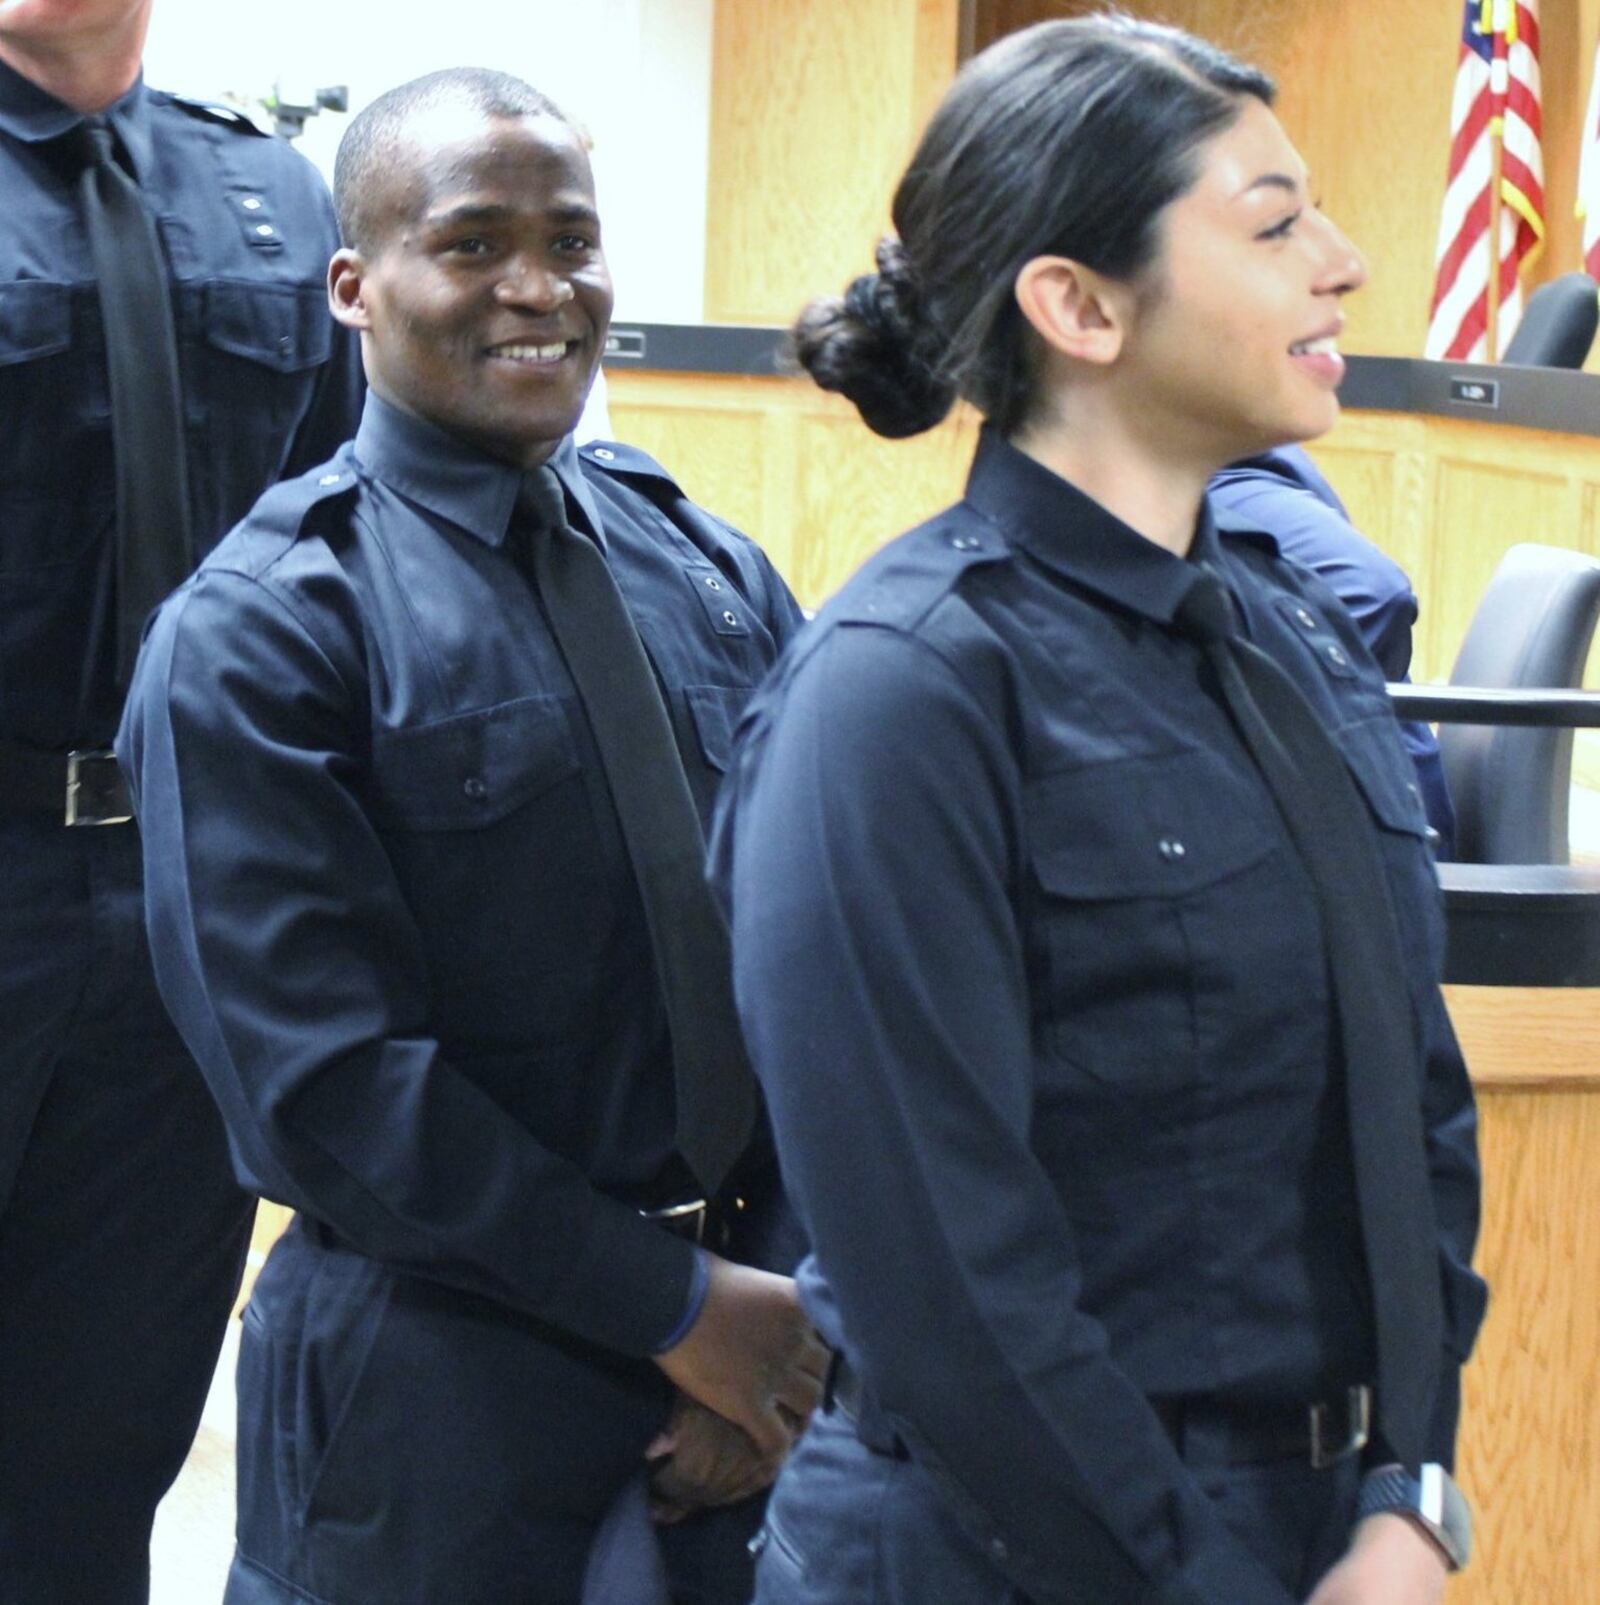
point(1496, 100)
point(1589, 177)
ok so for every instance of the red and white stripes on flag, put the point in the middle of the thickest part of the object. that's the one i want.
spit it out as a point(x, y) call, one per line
point(1496, 103)
point(1589, 177)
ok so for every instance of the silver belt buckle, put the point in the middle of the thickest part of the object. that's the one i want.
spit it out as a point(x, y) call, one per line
point(686, 1220)
point(1357, 1429)
point(93, 780)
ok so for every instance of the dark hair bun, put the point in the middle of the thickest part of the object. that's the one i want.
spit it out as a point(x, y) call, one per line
point(878, 348)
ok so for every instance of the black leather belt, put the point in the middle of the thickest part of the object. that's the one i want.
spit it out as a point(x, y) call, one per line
point(73, 788)
point(1202, 1430)
point(1206, 1431)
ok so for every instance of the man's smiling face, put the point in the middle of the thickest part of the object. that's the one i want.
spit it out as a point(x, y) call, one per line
point(483, 302)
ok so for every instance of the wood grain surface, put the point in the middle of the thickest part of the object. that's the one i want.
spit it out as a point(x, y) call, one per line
point(1530, 1443)
point(1364, 90)
point(815, 105)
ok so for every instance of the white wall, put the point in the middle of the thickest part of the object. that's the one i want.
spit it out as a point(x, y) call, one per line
point(635, 73)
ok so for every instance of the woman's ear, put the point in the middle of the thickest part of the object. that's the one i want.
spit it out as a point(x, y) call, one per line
point(346, 279)
point(1074, 310)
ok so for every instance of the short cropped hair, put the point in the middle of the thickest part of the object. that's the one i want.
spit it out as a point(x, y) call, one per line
point(373, 141)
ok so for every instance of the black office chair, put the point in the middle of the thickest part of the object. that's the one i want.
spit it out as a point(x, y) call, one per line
point(1519, 913)
point(1557, 325)
point(1531, 631)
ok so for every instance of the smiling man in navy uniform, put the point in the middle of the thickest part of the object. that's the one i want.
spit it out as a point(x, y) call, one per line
point(165, 355)
point(397, 916)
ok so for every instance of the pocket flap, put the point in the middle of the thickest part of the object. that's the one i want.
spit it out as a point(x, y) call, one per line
point(285, 327)
point(35, 320)
point(467, 772)
point(1147, 827)
point(1374, 755)
point(715, 710)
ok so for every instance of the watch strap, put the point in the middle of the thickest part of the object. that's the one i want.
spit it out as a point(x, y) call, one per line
point(1431, 1502)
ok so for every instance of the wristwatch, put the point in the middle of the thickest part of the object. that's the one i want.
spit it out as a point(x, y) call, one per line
point(1430, 1501)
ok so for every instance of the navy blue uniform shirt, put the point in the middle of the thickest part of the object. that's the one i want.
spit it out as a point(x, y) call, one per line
point(1284, 493)
point(1035, 985)
point(390, 905)
point(270, 384)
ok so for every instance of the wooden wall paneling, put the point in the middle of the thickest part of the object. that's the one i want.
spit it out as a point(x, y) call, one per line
point(1530, 1444)
point(793, 467)
point(1368, 478)
point(715, 436)
point(798, 470)
point(815, 105)
point(1482, 504)
point(1378, 464)
point(1364, 90)
point(855, 491)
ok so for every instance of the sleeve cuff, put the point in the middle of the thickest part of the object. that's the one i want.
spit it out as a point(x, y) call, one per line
point(697, 1302)
point(1446, 1410)
point(629, 1283)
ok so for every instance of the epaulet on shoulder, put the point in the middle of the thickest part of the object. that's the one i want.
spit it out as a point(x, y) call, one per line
point(615, 458)
point(213, 111)
point(902, 584)
point(284, 509)
point(1235, 528)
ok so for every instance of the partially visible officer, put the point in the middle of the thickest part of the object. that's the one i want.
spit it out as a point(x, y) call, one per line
point(1284, 492)
point(1084, 928)
point(165, 355)
point(422, 756)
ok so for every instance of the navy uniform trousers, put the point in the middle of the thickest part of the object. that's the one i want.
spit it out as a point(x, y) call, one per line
point(122, 1231)
point(894, 1535)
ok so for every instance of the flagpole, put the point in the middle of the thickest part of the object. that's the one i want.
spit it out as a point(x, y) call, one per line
point(1497, 132)
point(1499, 17)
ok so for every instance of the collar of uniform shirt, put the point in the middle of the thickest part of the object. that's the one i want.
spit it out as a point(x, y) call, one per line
point(455, 481)
point(28, 114)
point(1072, 534)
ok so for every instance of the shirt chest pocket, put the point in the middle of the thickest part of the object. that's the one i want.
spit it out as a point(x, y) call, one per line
point(260, 347)
point(1165, 905)
point(56, 408)
point(471, 771)
point(284, 328)
point(491, 831)
point(1387, 784)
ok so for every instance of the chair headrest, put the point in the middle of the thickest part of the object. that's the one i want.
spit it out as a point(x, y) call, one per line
point(1558, 325)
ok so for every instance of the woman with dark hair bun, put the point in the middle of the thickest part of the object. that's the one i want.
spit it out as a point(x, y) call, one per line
point(1086, 933)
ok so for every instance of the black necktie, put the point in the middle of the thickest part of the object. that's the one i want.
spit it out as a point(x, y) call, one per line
point(660, 825)
point(1333, 835)
point(154, 553)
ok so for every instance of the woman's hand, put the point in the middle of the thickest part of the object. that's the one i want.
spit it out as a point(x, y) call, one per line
point(1389, 1562)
